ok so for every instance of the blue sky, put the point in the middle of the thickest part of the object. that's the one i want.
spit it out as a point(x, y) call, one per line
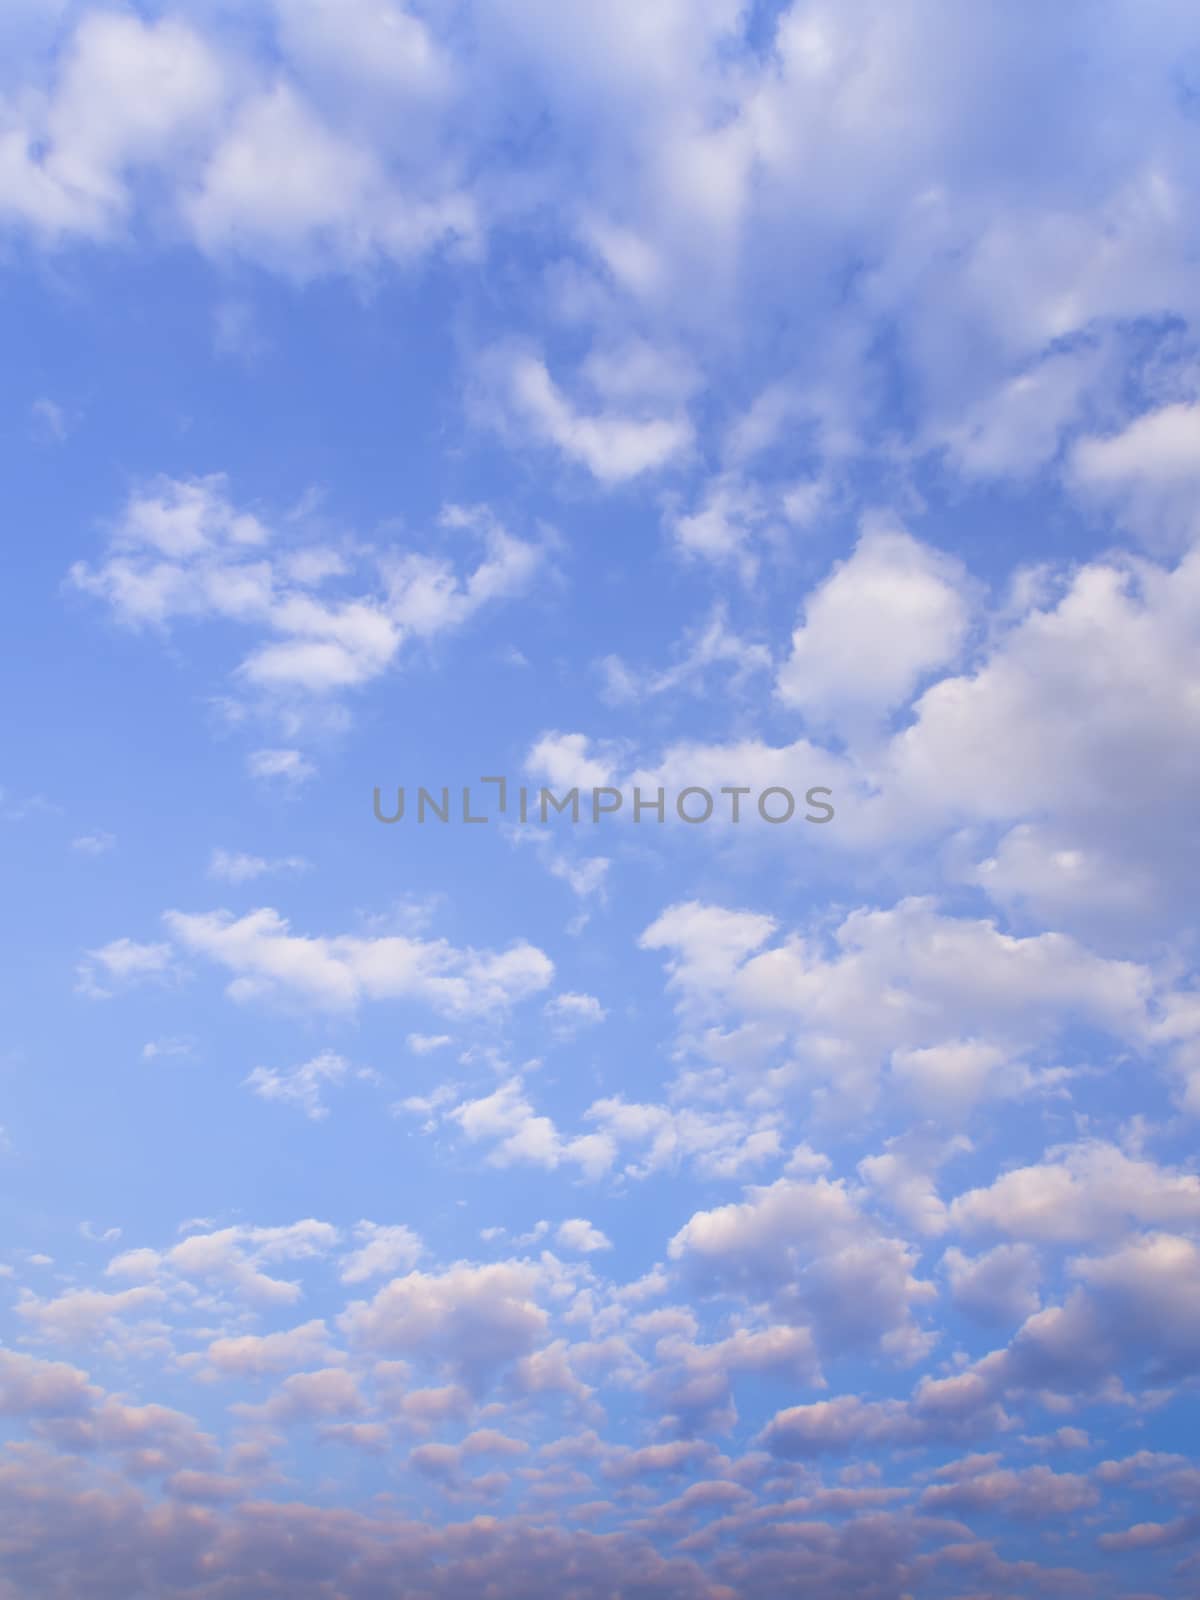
point(630, 398)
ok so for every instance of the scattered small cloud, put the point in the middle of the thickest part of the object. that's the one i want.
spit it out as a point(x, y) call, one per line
point(424, 1044)
point(94, 1235)
point(569, 1012)
point(94, 844)
point(304, 1086)
point(157, 1049)
point(50, 423)
point(236, 867)
point(280, 766)
point(579, 1234)
point(122, 964)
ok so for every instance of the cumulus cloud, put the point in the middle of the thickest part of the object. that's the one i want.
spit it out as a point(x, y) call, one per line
point(964, 999)
point(236, 866)
point(94, 844)
point(613, 442)
point(506, 1119)
point(891, 614)
point(693, 1383)
point(280, 765)
point(712, 644)
point(808, 1250)
point(80, 1316)
point(1116, 643)
point(651, 1137)
point(1018, 737)
point(380, 1250)
point(302, 1086)
point(719, 1143)
point(1084, 1192)
point(222, 143)
point(1145, 474)
point(283, 187)
point(1000, 1286)
point(234, 1257)
point(269, 961)
point(470, 1321)
point(569, 1011)
point(579, 1234)
point(122, 963)
point(130, 96)
point(181, 550)
point(790, 261)
point(251, 1354)
point(1030, 1493)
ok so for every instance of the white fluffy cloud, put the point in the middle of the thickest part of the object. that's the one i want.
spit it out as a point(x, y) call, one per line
point(237, 866)
point(130, 97)
point(337, 973)
point(284, 187)
point(650, 1137)
point(1089, 1191)
point(234, 1257)
point(943, 1003)
point(1078, 733)
point(889, 615)
point(579, 1234)
point(570, 1011)
point(122, 962)
point(1054, 766)
point(675, 162)
point(245, 1354)
point(1000, 1286)
point(1029, 1493)
point(472, 1321)
point(381, 1249)
point(82, 1316)
point(506, 1119)
point(244, 165)
point(1147, 474)
point(280, 766)
point(614, 440)
point(301, 1086)
point(743, 267)
point(807, 1249)
point(182, 550)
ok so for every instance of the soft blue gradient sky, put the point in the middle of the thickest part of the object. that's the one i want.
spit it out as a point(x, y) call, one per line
point(656, 393)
